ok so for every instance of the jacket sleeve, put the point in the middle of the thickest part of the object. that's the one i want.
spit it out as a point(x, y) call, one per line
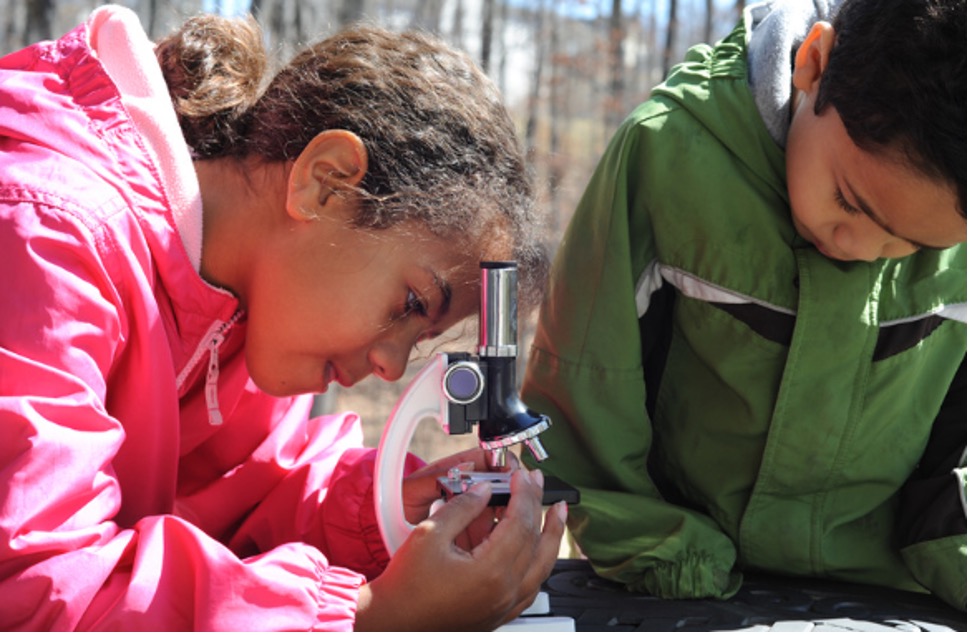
point(308, 481)
point(64, 562)
point(932, 514)
point(586, 372)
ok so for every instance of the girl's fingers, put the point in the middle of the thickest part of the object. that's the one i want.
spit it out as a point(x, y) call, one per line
point(454, 517)
point(543, 558)
point(517, 534)
point(421, 486)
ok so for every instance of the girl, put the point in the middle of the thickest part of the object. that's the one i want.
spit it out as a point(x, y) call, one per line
point(175, 277)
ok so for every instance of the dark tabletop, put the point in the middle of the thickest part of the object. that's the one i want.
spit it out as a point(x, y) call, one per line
point(764, 603)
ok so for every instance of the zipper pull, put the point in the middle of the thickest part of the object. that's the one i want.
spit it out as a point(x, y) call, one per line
point(212, 380)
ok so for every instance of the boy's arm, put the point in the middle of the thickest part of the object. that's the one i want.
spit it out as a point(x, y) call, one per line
point(599, 443)
point(586, 373)
point(933, 503)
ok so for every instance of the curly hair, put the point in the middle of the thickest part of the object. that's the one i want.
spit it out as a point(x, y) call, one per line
point(442, 148)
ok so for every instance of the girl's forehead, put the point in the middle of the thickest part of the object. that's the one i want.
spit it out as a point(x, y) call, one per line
point(451, 260)
point(463, 250)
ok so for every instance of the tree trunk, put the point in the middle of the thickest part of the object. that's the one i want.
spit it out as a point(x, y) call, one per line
point(708, 21)
point(503, 48)
point(458, 25)
point(671, 37)
point(557, 117)
point(532, 119)
point(350, 11)
point(488, 25)
point(614, 111)
point(40, 20)
point(427, 15)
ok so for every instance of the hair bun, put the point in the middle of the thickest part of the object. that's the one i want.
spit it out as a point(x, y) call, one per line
point(214, 69)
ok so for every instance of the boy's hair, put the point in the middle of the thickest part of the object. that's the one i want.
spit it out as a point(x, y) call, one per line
point(897, 75)
point(442, 148)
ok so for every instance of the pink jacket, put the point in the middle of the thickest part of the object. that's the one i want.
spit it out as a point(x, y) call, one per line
point(145, 482)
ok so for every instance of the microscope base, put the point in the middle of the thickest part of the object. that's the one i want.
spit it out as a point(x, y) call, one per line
point(537, 618)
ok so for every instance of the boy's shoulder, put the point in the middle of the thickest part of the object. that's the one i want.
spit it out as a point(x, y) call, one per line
point(707, 100)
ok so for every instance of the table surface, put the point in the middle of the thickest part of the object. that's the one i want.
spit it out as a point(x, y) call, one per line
point(764, 603)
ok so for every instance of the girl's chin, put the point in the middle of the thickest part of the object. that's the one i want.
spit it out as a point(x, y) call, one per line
point(282, 388)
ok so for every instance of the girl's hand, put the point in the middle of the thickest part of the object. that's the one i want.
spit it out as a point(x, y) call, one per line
point(432, 583)
point(421, 486)
point(421, 491)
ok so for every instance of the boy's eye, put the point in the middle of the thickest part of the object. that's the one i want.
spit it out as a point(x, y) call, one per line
point(844, 204)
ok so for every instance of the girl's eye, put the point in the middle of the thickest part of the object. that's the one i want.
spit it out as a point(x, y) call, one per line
point(415, 305)
point(844, 204)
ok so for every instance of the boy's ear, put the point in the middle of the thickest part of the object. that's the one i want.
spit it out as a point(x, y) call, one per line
point(333, 160)
point(813, 56)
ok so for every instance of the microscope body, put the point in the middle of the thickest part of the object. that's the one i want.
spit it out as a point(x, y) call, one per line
point(461, 390)
point(482, 391)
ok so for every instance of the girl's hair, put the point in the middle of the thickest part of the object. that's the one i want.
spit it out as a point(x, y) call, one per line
point(441, 146)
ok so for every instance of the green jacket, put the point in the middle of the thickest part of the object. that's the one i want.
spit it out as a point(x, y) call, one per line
point(724, 396)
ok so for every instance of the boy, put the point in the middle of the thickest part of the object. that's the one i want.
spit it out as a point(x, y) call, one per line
point(753, 348)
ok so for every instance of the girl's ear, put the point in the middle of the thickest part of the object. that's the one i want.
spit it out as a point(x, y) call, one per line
point(813, 56)
point(333, 160)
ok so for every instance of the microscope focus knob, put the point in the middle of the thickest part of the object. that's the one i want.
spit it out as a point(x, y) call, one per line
point(463, 382)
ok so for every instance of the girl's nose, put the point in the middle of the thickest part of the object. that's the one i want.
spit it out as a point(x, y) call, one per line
point(389, 359)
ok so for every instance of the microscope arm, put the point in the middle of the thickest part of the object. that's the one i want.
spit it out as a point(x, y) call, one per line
point(420, 401)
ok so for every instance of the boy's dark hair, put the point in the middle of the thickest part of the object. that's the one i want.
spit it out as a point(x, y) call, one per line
point(897, 76)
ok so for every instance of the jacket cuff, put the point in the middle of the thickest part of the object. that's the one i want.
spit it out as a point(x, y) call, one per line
point(351, 534)
point(337, 600)
point(696, 575)
point(941, 566)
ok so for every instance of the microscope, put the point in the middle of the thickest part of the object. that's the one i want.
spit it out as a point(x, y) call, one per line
point(460, 390)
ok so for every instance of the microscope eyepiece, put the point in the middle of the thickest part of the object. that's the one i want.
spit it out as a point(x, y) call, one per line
point(498, 317)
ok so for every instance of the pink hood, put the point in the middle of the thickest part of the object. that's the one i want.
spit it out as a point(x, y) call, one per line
point(147, 483)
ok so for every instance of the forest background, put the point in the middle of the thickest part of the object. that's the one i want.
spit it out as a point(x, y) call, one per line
point(569, 70)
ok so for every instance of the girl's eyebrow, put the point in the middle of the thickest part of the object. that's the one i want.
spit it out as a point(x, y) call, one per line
point(444, 288)
point(868, 211)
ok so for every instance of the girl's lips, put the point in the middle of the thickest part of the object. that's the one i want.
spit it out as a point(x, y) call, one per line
point(331, 375)
point(343, 381)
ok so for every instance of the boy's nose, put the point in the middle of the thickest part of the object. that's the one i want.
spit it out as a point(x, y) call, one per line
point(868, 251)
point(862, 243)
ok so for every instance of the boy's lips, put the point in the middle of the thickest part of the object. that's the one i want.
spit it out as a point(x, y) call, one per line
point(828, 254)
point(819, 245)
point(822, 250)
